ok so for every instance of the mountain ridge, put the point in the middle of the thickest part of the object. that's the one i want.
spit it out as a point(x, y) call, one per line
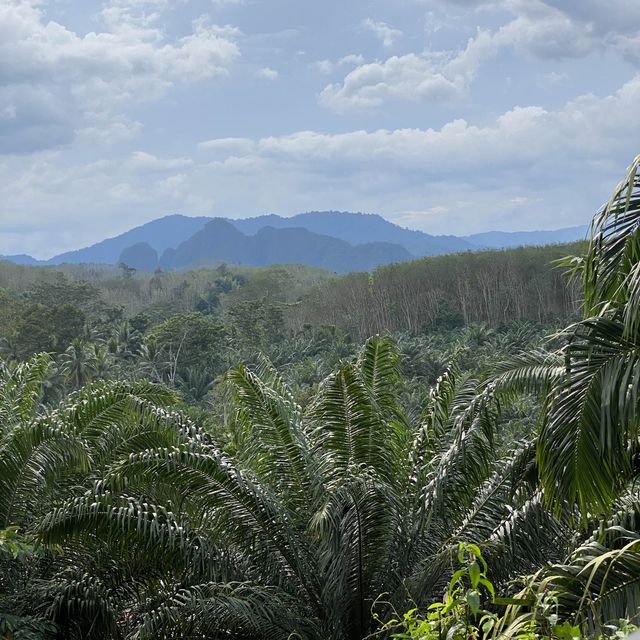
point(497, 239)
point(386, 241)
point(359, 228)
point(220, 241)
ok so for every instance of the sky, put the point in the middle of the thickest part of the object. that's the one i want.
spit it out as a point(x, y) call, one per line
point(448, 116)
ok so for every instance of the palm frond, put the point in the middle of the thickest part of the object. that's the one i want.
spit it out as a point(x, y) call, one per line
point(610, 271)
point(233, 507)
point(21, 390)
point(600, 583)
point(31, 458)
point(278, 448)
point(215, 609)
point(583, 445)
point(532, 372)
point(348, 432)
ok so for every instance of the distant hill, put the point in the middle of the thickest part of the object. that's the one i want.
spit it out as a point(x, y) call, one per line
point(359, 228)
point(505, 240)
point(339, 241)
point(21, 258)
point(141, 256)
point(220, 241)
point(160, 234)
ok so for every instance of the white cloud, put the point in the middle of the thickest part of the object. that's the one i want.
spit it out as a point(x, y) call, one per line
point(228, 146)
point(141, 161)
point(619, 16)
point(327, 67)
point(408, 77)
point(266, 73)
point(173, 187)
point(595, 24)
point(386, 34)
point(531, 147)
point(57, 79)
point(436, 76)
point(35, 117)
point(528, 160)
point(548, 29)
point(351, 59)
point(107, 128)
point(552, 79)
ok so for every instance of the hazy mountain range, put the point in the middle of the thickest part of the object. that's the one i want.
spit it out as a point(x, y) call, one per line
point(337, 241)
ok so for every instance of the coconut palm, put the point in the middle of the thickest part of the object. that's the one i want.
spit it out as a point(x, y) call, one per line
point(78, 363)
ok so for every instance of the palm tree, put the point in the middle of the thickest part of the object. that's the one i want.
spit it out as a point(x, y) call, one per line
point(103, 364)
point(318, 512)
point(78, 363)
point(49, 456)
point(589, 441)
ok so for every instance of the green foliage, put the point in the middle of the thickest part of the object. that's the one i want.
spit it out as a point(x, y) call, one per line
point(587, 442)
point(51, 329)
point(445, 292)
point(589, 437)
point(185, 341)
point(318, 510)
point(255, 324)
point(460, 615)
point(470, 608)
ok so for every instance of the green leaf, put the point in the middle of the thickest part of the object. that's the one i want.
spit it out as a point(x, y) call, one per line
point(474, 574)
point(473, 600)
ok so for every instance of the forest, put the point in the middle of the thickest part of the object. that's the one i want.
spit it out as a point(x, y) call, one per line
point(444, 449)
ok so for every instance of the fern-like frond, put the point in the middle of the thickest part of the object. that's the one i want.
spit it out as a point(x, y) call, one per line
point(216, 609)
point(278, 448)
point(610, 273)
point(583, 445)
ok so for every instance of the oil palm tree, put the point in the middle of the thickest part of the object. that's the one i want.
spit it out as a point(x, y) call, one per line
point(317, 512)
point(47, 456)
point(589, 441)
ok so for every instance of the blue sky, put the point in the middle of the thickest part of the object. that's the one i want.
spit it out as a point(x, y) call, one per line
point(450, 116)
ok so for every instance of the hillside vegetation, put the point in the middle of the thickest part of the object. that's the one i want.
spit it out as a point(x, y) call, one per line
point(494, 287)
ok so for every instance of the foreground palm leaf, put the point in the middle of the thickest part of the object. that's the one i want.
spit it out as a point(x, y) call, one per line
point(589, 437)
point(600, 583)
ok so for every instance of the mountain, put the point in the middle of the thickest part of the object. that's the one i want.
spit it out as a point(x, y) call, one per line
point(359, 228)
point(140, 256)
point(365, 239)
point(220, 241)
point(160, 234)
point(505, 240)
point(21, 258)
point(299, 245)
